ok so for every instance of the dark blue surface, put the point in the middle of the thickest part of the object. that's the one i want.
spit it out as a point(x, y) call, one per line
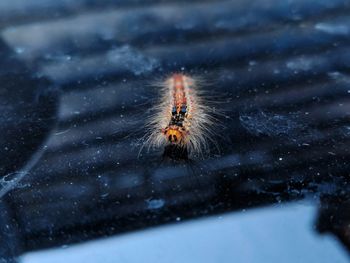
point(278, 71)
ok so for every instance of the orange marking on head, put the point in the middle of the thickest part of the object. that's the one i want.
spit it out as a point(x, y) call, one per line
point(173, 135)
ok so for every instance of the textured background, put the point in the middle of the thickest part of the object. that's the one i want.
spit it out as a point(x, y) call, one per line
point(280, 70)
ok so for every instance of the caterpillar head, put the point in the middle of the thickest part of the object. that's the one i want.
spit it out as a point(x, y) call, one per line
point(173, 134)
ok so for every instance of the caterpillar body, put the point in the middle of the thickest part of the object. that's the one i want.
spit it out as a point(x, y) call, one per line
point(182, 122)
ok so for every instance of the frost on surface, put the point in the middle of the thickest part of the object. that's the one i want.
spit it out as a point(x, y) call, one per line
point(333, 28)
point(273, 125)
point(340, 77)
point(301, 64)
point(118, 60)
point(132, 60)
point(155, 203)
point(11, 181)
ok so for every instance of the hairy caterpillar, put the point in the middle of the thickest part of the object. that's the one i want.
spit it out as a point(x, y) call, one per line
point(182, 122)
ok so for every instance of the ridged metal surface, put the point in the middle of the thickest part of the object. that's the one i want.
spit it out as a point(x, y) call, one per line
point(279, 68)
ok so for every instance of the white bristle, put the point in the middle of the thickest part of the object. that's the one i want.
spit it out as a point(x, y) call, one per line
point(198, 123)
